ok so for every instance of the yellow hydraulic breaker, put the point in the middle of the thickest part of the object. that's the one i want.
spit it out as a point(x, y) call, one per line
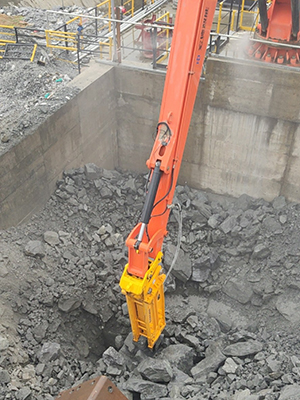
point(146, 301)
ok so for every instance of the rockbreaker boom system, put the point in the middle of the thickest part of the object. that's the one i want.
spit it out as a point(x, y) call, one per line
point(143, 281)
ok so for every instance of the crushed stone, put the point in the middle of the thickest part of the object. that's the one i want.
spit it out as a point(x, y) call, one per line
point(64, 319)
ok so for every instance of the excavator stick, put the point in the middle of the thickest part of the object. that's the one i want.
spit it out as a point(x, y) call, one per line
point(100, 388)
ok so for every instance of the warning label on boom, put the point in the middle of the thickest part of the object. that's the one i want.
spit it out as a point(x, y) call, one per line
point(203, 28)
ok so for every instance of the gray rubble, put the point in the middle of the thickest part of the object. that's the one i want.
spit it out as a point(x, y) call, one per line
point(232, 298)
point(38, 89)
point(231, 304)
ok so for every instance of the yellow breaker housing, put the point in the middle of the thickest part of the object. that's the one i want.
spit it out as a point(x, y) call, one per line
point(145, 301)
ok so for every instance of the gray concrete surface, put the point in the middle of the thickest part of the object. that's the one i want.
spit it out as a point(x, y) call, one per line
point(243, 136)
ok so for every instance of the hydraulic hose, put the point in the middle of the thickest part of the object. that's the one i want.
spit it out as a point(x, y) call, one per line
point(263, 16)
point(295, 18)
point(148, 206)
point(179, 237)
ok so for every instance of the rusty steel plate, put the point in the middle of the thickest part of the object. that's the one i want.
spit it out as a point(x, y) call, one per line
point(100, 388)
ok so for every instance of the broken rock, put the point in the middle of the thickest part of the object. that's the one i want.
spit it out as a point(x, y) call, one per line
point(214, 358)
point(180, 356)
point(92, 172)
point(238, 289)
point(290, 392)
point(288, 306)
point(156, 370)
point(261, 251)
point(4, 376)
point(113, 358)
point(68, 304)
point(229, 366)
point(51, 238)
point(34, 248)
point(49, 352)
point(243, 349)
point(148, 390)
point(182, 269)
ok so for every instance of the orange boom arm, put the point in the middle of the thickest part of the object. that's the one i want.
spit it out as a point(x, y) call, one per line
point(142, 280)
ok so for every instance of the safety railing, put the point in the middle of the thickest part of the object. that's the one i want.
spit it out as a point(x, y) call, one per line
point(225, 19)
point(247, 16)
point(7, 34)
point(19, 51)
point(99, 26)
point(75, 34)
point(10, 46)
point(146, 41)
point(121, 44)
point(106, 49)
point(61, 40)
point(128, 7)
point(223, 26)
point(73, 24)
point(105, 9)
point(163, 36)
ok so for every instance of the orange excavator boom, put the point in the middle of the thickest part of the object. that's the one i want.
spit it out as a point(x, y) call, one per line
point(142, 280)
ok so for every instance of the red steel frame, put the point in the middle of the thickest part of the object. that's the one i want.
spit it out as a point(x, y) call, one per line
point(278, 33)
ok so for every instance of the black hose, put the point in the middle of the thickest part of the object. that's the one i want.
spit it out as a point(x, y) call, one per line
point(149, 201)
point(263, 16)
point(295, 18)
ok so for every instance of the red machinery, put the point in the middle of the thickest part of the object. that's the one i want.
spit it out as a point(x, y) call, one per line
point(277, 36)
point(146, 36)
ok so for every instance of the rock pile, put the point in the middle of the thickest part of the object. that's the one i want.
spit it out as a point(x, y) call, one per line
point(232, 298)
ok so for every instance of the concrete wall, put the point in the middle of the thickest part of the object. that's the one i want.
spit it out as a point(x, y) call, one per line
point(139, 97)
point(84, 130)
point(249, 133)
point(244, 135)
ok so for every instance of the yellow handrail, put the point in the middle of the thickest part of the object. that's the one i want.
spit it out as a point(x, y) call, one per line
point(220, 16)
point(232, 19)
point(109, 13)
point(74, 19)
point(166, 18)
point(246, 12)
point(69, 39)
point(33, 53)
point(7, 33)
point(109, 44)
